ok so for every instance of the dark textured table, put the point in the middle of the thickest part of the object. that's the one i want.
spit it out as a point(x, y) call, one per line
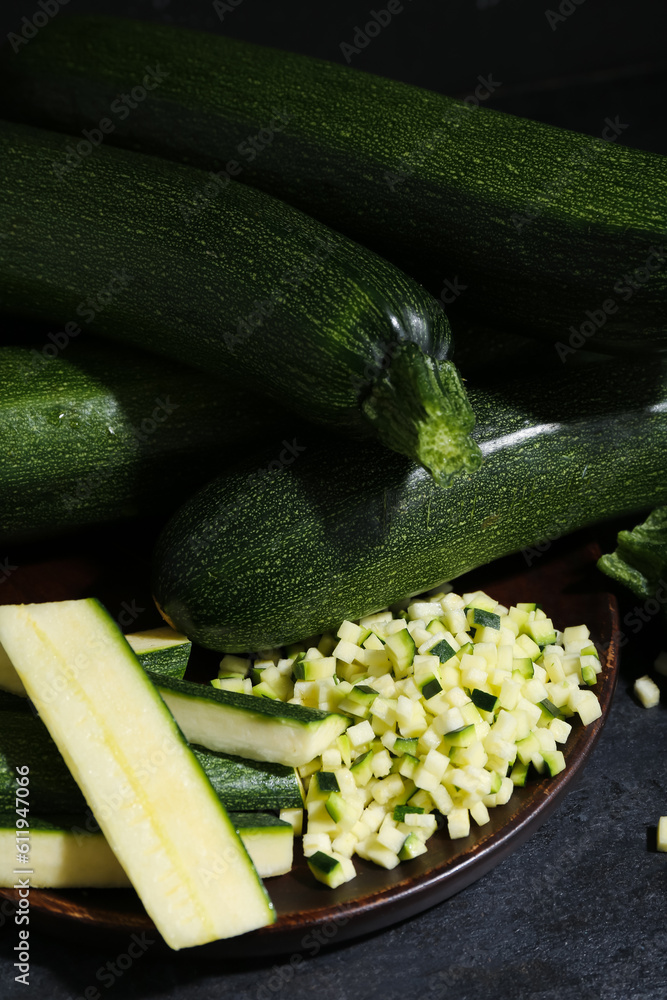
point(579, 912)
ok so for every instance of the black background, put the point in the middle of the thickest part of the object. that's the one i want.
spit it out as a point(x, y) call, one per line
point(595, 927)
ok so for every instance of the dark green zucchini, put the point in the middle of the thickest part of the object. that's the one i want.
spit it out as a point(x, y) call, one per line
point(252, 289)
point(161, 650)
point(244, 785)
point(549, 231)
point(347, 532)
point(640, 563)
point(96, 434)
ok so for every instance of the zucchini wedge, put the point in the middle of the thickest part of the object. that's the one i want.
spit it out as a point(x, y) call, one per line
point(552, 233)
point(268, 840)
point(161, 650)
point(249, 725)
point(146, 789)
point(242, 785)
point(366, 529)
point(252, 290)
point(65, 855)
point(91, 434)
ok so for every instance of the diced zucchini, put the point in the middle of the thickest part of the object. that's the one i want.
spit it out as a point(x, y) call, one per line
point(362, 768)
point(542, 632)
point(484, 700)
point(461, 737)
point(400, 647)
point(477, 617)
point(314, 670)
point(401, 811)
point(554, 760)
point(322, 784)
point(412, 847)
point(519, 773)
point(359, 700)
point(295, 819)
point(549, 711)
point(444, 651)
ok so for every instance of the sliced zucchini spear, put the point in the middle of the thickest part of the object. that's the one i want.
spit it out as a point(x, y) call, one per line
point(154, 804)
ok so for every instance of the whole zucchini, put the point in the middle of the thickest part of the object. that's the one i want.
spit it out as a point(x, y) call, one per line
point(252, 289)
point(95, 434)
point(345, 532)
point(546, 230)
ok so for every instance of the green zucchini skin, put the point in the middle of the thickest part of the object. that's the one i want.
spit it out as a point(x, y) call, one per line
point(243, 785)
point(252, 289)
point(96, 435)
point(348, 532)
point(540, 224)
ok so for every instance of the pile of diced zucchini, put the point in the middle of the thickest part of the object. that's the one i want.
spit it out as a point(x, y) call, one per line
point(452, 701)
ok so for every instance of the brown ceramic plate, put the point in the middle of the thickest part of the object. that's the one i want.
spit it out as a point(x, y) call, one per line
point(566, 583)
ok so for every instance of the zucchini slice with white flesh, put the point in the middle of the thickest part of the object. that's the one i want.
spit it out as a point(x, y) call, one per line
point(162, 650)
point(66, 854)
point(242, 785)
point(268, 840)
point(154, 804)
point(248, 725)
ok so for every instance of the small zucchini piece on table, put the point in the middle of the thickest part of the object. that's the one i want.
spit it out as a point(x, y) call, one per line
point(161, 650)
point(154, 804)
point(252, 290)
point(546, 228)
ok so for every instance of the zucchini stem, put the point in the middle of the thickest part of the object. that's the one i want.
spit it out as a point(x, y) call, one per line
point(419, 407)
